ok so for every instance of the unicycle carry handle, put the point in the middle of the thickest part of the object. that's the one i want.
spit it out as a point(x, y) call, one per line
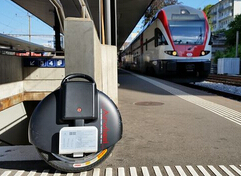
point(80, 95)
point(77, 75)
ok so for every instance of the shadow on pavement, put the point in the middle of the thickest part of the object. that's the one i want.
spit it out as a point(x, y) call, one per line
point(37, 166)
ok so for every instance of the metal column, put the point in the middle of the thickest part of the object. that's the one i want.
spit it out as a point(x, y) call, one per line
point(237, 40)
point(57, 33)
point(108, 21)
point(113, 23)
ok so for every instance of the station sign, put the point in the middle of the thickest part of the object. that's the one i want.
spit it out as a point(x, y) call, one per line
point(44, 62)
point(4, 52)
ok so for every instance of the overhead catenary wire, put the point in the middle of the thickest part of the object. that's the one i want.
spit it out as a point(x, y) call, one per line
point(24, 14)
point(202, 3)
point(12, 18)
point(7, 25)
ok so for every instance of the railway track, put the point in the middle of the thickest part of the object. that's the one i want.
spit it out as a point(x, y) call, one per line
point(225, 79)
point(217, 92)
point(229, 80)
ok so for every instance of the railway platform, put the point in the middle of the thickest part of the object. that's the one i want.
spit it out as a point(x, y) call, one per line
point(168, 129)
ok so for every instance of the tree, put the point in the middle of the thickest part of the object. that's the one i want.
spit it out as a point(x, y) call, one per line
point(234, 26)
point(207, 11)
point(154, 7)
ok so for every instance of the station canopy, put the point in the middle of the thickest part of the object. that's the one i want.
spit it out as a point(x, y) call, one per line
point(129, 13)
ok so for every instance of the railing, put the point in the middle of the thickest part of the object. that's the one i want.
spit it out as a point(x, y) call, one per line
point(228, 5)
point(214, 21)
point(225, 6)
point(226, 15)
point(220, 9)
point(85, 12)
point(213, 13)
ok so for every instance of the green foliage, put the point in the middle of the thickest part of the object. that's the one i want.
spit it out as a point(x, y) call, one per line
point(234, 26)
point(229, 52)
point(217, 55)
point(221, 31)
point(230, 34)
point(207, 11)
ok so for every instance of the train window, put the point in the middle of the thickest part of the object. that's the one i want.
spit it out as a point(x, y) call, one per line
point(159, 38)
point(187, 32)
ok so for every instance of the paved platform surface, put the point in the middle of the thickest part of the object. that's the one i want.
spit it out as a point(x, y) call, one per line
point(169, 130)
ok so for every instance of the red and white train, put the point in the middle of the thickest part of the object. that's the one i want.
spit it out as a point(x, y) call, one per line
point(175, 44)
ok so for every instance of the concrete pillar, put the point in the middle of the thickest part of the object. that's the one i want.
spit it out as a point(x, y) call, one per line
point(84, 54)
point(82, 49)
point(109, 71)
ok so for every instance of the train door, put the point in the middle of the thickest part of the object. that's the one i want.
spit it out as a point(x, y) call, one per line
point(141, 54)
point(141, 44)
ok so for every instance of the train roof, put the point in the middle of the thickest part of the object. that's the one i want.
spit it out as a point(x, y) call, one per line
point(21, 45)
point(181, 12)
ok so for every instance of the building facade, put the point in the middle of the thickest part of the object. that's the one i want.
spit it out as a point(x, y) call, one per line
point(223, 13)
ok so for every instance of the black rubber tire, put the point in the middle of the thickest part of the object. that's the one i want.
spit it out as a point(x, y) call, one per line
point(66, 164)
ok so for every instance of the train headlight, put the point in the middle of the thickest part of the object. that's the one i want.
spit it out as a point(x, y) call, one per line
point(172, 53)
point(154, 63)
point(204, 53)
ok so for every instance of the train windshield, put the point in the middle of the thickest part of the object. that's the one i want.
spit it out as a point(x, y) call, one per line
point(187, 32)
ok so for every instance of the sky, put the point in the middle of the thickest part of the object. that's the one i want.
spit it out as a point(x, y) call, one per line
point(15, 20)
point(198, 3)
